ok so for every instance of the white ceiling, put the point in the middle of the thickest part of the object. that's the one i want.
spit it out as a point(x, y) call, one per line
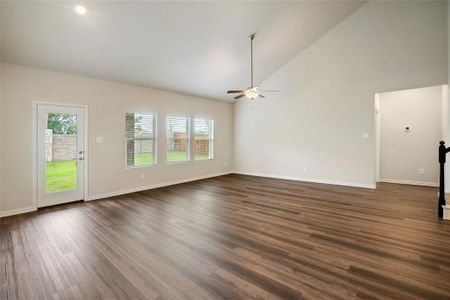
point(198, 48)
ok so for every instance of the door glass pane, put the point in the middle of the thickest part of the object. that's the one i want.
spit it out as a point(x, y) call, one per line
point(60, 152)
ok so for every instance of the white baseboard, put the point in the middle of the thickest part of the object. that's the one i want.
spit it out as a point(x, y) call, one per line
point(13, 212)
point(446, 212)
point(117, 193)
point(411, 182)
point(324, 181)
point(153, 186)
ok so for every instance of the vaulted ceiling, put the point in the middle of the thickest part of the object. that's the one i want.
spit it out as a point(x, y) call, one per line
point(198, 48)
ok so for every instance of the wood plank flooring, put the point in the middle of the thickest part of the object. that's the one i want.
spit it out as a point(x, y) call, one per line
point(232, 237)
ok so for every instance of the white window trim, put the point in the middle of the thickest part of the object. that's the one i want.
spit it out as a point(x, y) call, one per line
point(155, 141)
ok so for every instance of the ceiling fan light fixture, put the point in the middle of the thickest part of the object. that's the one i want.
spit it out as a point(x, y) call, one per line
point(252, 93)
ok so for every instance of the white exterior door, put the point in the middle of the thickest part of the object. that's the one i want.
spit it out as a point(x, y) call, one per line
point(61, 154)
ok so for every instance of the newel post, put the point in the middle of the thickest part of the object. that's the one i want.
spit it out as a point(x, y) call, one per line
point(442, 154)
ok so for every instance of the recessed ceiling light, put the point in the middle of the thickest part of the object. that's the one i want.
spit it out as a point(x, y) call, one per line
point(80, 9)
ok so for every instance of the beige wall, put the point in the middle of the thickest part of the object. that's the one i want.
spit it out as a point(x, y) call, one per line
point(313, 129)
point(402, 153)
point(108, 102)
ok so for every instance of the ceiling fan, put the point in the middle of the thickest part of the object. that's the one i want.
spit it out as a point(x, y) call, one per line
point(252, 91)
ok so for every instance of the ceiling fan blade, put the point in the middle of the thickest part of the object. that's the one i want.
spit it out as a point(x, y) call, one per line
point(234, 91)
point(262, 96)
point(239, 96)
point(270, 91)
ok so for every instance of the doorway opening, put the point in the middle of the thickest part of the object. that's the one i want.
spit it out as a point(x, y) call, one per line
point(408, 127)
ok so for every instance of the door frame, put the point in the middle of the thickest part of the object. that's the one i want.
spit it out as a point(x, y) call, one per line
point(35, 146)
point(445, 121)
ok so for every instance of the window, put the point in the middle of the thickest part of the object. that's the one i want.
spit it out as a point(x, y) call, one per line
point(203, 139)
point(140, 139)
point(178, 139)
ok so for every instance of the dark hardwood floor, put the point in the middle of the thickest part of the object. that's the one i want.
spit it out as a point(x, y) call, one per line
point(234, 237)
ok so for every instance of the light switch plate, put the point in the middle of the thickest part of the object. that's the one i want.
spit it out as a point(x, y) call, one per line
point(99, 139)
point(365, 135)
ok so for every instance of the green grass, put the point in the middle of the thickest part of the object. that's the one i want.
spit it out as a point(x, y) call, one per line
point(60, 175)
point(201, 156)
point(173, 156)
point(142, 159)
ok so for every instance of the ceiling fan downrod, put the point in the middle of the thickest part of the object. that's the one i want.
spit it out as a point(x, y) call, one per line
point(251, 37)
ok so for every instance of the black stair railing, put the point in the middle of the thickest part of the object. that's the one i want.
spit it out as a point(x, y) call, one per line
point(442, 155)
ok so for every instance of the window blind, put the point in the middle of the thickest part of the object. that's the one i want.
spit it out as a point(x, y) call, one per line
point(140, 139)
point(203, 139)
point(178, 139)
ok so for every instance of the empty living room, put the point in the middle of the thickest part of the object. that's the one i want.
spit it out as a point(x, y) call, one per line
point(224, 149)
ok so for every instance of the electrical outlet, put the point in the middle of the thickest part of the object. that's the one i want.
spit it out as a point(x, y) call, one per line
point(289, 167)
point(421, 171)
point(305, 168)
point(365, 135)
point(142, 176)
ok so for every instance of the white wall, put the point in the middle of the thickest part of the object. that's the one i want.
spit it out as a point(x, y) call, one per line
point(403, 153)
point(1, 127)
point(446, 137)
point(108, 102)
point(312, 129)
